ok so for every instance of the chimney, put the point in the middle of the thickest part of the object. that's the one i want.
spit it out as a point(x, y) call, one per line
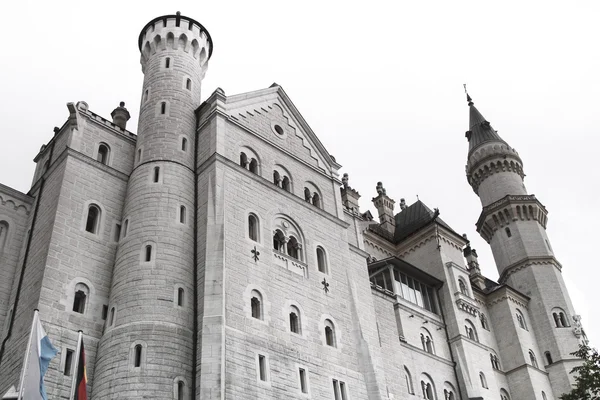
point(120, 115)
point(385, 208)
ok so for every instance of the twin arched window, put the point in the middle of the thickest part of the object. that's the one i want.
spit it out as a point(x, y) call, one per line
point(560, 319)
point(504, 395)
point(484, 323)
point(282, 181)
point(471, 331)
point(463, 287)
point(291, 246)
point(250, 164)
point(532, 359)
point(312, 197)
point(495, 362)
point(92, 222)
point(103, 153)
point(521, 319)
point(330, 338)
point(427, 342)
point(427, 388)
point(449, 394)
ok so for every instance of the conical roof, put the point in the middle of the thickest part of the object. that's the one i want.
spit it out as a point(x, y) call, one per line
point(480, 130)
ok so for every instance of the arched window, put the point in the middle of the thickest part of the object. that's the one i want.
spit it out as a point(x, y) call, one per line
point(103, 152)
point(188, 84)
point(148, 253)
point(163, 107)
point(253, 227)
point(156, 175)
point(278, 241)
point(321, 260)
point(276, 178)
point(184, 144)
point(560, 320)
point(544, 396)
point(427, 388)
point(243, 160)
point(180, 296)
point(504, 395)
point(495, 362)
point(285, 184)
point(80, 298)
point(330, 333)
point(484, 323)
point(92, 223)
point(548, 358)
point(295, 325)
point(427, 342)
point(409, 384)
point(180, 388)
point(293, 248)
point(182, 214)
point(137, 355)
point(532, 359)
point(3, 234)
point(256, 305)
point(253, 167)
point(463, 287)
point(307, 195)
point(521, 320)
point(471, 331)
point(316, 200)
point(483, 380)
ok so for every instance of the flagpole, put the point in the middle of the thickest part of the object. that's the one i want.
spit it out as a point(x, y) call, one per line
point(74, 380)
point(24, 369)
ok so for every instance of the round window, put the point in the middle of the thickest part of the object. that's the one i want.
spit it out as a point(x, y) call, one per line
point(278, 129)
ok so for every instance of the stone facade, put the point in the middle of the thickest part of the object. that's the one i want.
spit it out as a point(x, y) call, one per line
point(217, 254)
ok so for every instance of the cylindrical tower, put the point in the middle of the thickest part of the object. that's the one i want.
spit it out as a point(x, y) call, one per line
point(148, 344)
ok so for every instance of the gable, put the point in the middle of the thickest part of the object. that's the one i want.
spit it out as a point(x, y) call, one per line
point(270, 114)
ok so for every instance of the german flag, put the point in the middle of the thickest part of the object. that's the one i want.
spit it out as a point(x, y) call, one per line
point(81, 383)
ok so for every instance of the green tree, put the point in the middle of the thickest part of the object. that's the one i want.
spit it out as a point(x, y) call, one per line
point(588, 375)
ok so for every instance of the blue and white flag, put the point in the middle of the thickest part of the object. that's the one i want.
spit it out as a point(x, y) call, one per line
point(41, 352)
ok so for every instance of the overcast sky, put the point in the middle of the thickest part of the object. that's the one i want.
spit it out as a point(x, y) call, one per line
point(380, 83)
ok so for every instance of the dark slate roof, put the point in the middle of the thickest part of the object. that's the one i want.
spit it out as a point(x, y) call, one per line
point(413, 218)
point(480, 130)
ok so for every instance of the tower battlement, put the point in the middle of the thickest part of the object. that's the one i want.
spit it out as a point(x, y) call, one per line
point(176, 32)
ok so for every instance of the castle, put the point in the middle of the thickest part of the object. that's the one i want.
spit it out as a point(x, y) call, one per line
point(218, 254)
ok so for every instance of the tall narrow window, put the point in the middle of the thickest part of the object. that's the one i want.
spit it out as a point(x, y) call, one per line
point(243, 160)
point(117, 232)
point(303, 380)
point(521, 320)
point(256, 305)
point(146, 95)
point(180, 296)
point(139, 155)
point(79, 301)
point(276, 178)
point(484, 323)
point(163, 108)
point(278, 241)
point(104, 312)
point(262, 368)
point(184, 144)
point(548, 358)
point(408, 378)
point(544, 396)
point(180, 390)
point(508, 233)
point(3, 234)
point(253, 227)
point(339, 390)
point(112, 317)
point(330, 333)
point(463, 287)
point(293, 248)
point(307, 195)
point(93, 219)
point(483, 380)
point(321, 260)
point(285, 184)
point(316, 200)
point(137, 356)
point(295, 319)
point(168, 62)
point(156, 175)
point(188, 84)
point(148, 253)
point(182, 214)
point(68, 362)
point(103, 152)
point(471, 330)
point(125, 228)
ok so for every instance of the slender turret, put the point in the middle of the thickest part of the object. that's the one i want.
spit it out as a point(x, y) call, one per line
point(148, 338)
point(514, 222)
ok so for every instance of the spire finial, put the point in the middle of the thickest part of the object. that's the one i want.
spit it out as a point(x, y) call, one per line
point(469, 100)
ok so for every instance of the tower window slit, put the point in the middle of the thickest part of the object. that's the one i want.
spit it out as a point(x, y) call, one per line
point(137, 358)
point(163, 107)
point(167, 62)
point(156, 174)
point(148, 255)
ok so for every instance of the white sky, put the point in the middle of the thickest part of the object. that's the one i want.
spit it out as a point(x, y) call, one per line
point(380, 83)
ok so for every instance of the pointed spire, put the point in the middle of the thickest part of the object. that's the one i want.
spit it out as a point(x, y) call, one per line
point(480, 130)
